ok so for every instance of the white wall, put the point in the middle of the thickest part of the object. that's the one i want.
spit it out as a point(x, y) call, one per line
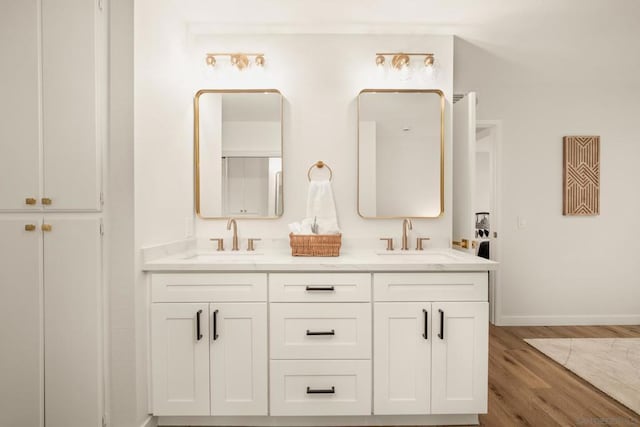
point(484, 173)
point(240, 138)
point(319, 114)
point(562, 269)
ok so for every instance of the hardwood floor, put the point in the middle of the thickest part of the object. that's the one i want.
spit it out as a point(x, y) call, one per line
point(526, 388)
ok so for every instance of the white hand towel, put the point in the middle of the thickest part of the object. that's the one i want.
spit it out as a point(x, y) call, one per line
point(321, 207)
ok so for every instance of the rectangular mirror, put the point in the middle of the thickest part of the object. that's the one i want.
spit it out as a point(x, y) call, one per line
point(400, 153)
point(238, 153)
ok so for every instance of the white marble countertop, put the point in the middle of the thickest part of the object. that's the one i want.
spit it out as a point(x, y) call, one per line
point(349, 260)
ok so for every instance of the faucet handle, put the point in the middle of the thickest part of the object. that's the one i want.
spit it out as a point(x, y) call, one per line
point(250, 244)
point(389, 242)
point(419, 241)
point(220, 244)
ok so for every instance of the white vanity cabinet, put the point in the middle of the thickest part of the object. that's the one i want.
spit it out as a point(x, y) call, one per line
point(209, 357)
point(431, 346)
point(410, 344)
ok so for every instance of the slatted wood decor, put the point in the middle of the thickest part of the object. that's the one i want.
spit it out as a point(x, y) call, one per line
point(581, 189)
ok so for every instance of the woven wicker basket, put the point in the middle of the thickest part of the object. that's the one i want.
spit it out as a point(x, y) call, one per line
point(315, 244)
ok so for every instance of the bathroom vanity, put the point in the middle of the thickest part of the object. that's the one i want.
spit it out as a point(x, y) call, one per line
point(363, 339)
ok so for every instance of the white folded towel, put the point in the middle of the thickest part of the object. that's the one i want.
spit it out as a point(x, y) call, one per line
point(321, 207)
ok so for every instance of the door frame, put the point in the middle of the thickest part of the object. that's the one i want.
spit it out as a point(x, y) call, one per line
point(495, 128)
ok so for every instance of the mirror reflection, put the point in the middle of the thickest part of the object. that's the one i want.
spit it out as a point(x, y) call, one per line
point(238, 150)
point(400, 153)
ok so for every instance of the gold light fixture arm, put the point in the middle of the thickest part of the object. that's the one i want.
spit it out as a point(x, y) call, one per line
point(402, 59)
point(240, 60)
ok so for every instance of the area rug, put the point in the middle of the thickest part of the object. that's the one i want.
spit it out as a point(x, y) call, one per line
point(610, 364)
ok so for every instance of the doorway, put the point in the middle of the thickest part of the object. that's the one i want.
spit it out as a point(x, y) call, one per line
point(487, 203)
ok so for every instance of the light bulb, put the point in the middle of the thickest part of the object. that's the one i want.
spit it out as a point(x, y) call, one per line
point(210, 68)
point(405, 72)
point(429, 67)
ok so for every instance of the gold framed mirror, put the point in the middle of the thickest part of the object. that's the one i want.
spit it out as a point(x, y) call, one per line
point(401, 153)
point(238, 147)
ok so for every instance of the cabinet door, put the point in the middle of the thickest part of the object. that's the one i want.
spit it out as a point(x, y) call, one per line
point(401, 358)
point(19, 109)
point(73, 323)
point(460, 355)
point(180, 359)
point(71, 57)
point(239, 359)
point(20, 323)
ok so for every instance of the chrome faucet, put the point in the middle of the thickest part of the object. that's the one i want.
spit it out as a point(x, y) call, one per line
point(406, 226)
point(234, 246)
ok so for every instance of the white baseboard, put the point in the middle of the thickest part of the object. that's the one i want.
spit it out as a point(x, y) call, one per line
point(327, 421)
point(573, 320)
point(150, 422)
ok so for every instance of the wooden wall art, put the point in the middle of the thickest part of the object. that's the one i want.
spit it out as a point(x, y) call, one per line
point(581, 175)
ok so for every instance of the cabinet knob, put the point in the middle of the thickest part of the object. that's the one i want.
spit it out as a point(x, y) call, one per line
point(30, 201)
point(46, 227)
point(29, 227)
point(46, 201)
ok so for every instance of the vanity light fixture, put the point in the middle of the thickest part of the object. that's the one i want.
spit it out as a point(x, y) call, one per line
point(239, 60)
point(401, 61)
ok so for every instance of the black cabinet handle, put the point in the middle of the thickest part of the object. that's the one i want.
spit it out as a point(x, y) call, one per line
point(441, 334)
point(321, 288)
point(331, 390)
point(425, 335)
point(198, 334)
point(312, 333)
point(215, 325)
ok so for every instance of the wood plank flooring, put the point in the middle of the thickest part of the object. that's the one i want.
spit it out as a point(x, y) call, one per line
point(526, 388)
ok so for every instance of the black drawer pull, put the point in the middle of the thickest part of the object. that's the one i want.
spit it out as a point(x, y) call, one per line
point(314, 333)
point(215, 325)
point(441, 334)
point(425, 335)
point(331, 390)
point(198, 334)
point(321, 288)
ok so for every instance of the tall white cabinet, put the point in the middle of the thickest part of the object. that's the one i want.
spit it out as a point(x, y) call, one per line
point(52, 78)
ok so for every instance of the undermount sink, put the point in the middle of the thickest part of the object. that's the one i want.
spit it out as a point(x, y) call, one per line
point(427, 256)
point(203, 256)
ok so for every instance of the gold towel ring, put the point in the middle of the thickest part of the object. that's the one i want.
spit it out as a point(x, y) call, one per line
point(320, 164)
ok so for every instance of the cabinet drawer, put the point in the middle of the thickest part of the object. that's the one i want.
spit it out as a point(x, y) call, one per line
point(320, 331)
point(219, 287)
point(321, 287)
point(430, 286)
point(320, 387)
